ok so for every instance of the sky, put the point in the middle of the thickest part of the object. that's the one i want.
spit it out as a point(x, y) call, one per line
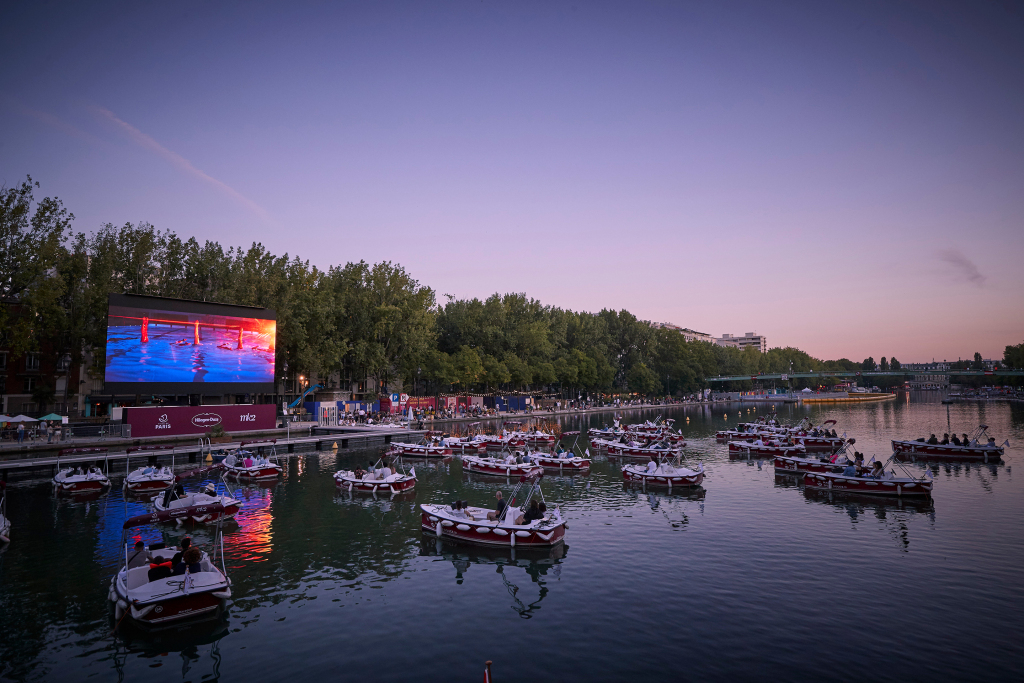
point(845, 178)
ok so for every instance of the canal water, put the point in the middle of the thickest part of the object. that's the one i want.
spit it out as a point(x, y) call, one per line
point(751, 578)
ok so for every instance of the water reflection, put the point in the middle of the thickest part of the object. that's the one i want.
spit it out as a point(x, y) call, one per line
point(537, 563)
point(181, 645)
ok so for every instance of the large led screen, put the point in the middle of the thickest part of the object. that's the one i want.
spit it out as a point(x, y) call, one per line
point(157, 345)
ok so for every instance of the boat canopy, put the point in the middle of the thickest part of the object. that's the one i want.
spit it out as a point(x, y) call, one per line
point(171, 514)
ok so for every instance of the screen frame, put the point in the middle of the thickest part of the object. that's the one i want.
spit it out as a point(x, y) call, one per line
point(199, 308)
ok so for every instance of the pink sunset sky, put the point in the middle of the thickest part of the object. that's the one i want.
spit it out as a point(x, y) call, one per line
point(843, 178)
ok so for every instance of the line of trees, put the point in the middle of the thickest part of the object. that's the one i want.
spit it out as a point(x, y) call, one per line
point(356, 320)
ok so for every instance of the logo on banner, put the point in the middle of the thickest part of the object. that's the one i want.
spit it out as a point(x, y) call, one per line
point(206, 420)
point(162, 423)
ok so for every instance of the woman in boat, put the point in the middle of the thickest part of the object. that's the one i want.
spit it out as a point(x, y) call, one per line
point(190, 560)
point(532, 513)
point(877, 470)
point(945, 440)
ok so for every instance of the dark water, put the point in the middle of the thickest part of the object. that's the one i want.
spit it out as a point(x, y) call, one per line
point(754, 579)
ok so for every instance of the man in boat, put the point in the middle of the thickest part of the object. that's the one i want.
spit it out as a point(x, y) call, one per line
point(932, 441)
point(945, 440)
point(139, 556)
point(499, 507)
point(956, 440)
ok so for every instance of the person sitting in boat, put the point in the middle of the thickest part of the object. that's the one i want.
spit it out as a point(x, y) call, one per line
point(967, 440)
point(499, 507)
point(932, 441)
point(850, 470)
point(955, 440)
point(532, 513)
point(543, 510)
point(991, 442)
point(358, 473)
point(384, 472)
point(945, 440)
point(139, 557)
point(190, 561)
point(159, 569)
point(652, 466)
point(186, 543)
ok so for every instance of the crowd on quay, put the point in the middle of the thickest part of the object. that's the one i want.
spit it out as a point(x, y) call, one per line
point(52, 431)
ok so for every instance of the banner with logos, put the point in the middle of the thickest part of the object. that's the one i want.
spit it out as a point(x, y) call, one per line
point(182, 420)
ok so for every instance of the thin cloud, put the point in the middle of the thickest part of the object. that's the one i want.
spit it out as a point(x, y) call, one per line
point(177, 160)
point(55, 122)
point(963, 266)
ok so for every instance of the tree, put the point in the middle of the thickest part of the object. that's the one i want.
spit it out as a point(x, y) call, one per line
point(894, 365)
point(868, 365)
point(978, 364)
point(31, 245)
point(884, 364)
point(1013, 356)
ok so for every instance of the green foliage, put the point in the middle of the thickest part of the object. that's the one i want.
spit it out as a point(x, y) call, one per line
point(1013, 356)
point(359, 320)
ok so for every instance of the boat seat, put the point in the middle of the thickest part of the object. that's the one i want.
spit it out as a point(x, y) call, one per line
point(139, 576)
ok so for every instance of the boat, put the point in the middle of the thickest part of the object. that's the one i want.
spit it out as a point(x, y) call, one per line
point(797, 464)
point(472, 526)
point(497, 442)
point(538, 438)
point(500, 467)
point(395, 481)
point(976, 450)
point(73, 480)
point(888, 484)
point(148, 479)
point(551, 462)
point(149, 597)
point(421, 450)
point(636, 451)
point(245, 465)
point(5, 521)
point(175, 498)
point(464, 445)
point(664, 474)
point(759, 449)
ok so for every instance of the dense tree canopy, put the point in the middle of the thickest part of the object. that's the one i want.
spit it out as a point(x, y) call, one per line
point(357, 320)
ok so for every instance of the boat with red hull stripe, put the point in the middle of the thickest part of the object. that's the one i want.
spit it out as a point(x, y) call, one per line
point(892, 486)
point(499, 467)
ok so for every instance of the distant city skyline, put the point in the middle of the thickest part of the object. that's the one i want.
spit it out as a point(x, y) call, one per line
point(846, 178)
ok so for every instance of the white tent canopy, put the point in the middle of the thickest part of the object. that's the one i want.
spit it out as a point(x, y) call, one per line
point(806, 390)
point(22, 418)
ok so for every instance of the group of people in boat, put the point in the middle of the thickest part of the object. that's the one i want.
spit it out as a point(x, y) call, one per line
point(857, 468)
point(247, 462)
point(823, 433)
point(534, 512)
point(79, 471)
point(188, 558)
point(948, 440)
point(373, 472)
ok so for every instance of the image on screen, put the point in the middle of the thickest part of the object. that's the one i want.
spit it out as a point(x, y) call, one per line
point(152, 345)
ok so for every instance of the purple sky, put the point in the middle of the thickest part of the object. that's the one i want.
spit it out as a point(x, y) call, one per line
point(845, 179)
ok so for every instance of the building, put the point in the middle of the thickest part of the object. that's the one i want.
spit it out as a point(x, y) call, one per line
point(688, 334)
point(758, 341)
